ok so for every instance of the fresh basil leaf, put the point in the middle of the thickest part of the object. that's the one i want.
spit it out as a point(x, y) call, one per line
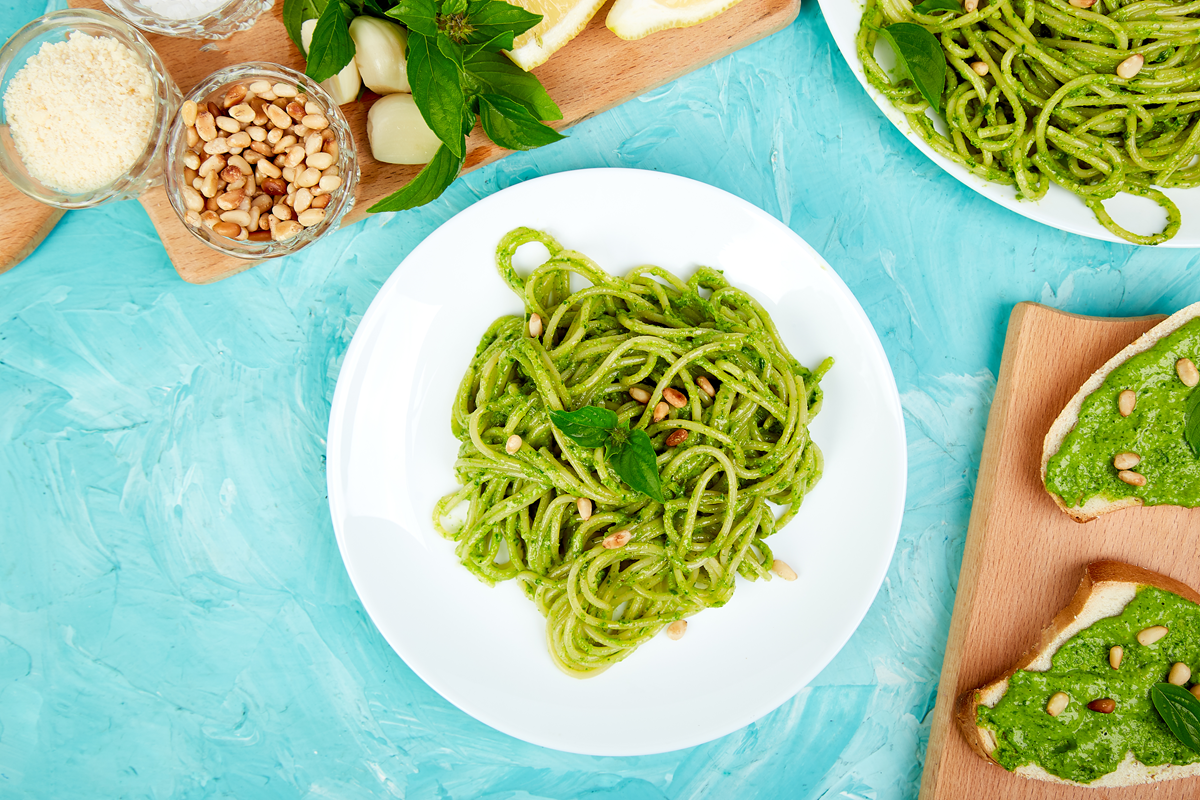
point(332, 48)
point(296, 12)
point(373, 7)
point(496, 74)
point(636, 464)
point(930, 6)
point(1191, 421)
point(429, 184)
point(502, 41)
point(419, 16)
point(454, 7)
point(438, 93)
point(1180, 710)
point(450, 49)
point(489, 18)
point(509, 124)
point(920, 53)
point(587, 427)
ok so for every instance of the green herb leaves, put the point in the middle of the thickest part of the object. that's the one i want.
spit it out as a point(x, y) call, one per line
point(930, 6)
point(456, 70)
point(920, 53)
point(1191, 421)
point(630, 453)
point(1180, 710)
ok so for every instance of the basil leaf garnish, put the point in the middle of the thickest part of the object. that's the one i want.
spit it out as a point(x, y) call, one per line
point(437, 91)
point(419, 16)
point(1180, 710)
point(509, 124)
point(930, 6)
point(489, 18)
point(635, 462)
point(588, 427)
point(332, 48)
point(1191, 421)
point(496, 74)
point(296, 12)
point(431, 181)
point(920, 53)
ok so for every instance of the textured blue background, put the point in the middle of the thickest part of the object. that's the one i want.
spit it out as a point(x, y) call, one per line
point(175, 620)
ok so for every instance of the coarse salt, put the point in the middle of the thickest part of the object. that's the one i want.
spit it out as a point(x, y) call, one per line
point(181, 9)
point(80, 112)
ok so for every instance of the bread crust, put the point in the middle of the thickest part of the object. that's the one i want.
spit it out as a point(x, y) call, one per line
point(1102, 581)
point(1069, 416)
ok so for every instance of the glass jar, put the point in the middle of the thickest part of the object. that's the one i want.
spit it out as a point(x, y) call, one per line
point(213, 89)
point(220, 23)
point(146, 170)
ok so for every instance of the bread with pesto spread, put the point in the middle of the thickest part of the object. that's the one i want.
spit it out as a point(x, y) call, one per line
point(1086, 508)
point(1103, 597)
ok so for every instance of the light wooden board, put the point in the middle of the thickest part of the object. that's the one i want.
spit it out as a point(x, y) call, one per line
point(593, 73)
point(1024, 557)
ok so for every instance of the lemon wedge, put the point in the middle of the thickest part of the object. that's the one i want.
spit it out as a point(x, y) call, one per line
point(562, 20)
point(633, 19)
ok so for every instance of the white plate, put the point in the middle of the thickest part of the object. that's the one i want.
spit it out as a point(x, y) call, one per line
point(390, 458)
point(1059, 208)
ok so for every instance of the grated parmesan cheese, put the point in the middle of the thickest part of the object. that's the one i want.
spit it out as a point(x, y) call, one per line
point(80, 112)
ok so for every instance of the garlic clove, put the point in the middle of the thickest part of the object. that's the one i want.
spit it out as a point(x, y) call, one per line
point(398, 133)
point(381, 50)
point(344, 86)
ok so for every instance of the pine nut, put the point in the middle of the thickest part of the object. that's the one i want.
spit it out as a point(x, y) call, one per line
point(584, 504)
point(239, 140)
point(312, 146)
point(639, 394)
point(228, 124)
point(1105, 705)
point(1187, 372)
point(319, 160)
point(255, 216)
point(205, 126)
point(330, 182)
point(1195, 690)
point(320, 201)
point(278, 116)
point(618, 539)
point(294, 155)
point(535, 326)
point(217, 146)
point(311, 217)
point(970, 5)
point(282, 211)
point(192, 200)
point(230, 200)
point(209, 185)
point(191, 160)
point(295, 110)
point(188, 112)
point(257, 133)
point(1132, 478)
point(284, 90)
point(234, 95)
point(236, 217)
point(677, 437)
point(192, 137)
point(272, 186)
point(1058, 701)
point(1115, 654)
point(265, 169)
point(316, 122)
point(286, 230)
point(210, 219)
point(1126, 401)
point(782, 569)
point(289, 175)
point(260, 87)
point(677, 629)
point(706, 386)
point(980, 68)
point(283, 144)
point(1131, 66)
point(675, 397)
point(227, 229)
point(242, 113)
point(661, 410)
point(513, 444)
point(260, 236)
point(303, 201)
point(273, 137)
point(1180, 673)
point(1083, 3)
point(1126, 460)
point(1151, 635)
point(309, 177)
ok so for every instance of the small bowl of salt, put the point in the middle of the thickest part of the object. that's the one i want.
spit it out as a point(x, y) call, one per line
point(191, 19)
point(85, 109)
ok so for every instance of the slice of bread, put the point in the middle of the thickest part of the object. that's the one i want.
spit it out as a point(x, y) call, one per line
point(1095, 506)
point(1105, 590)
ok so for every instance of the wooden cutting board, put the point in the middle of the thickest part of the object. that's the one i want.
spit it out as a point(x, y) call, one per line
point(593, 73)
point(1024, 557)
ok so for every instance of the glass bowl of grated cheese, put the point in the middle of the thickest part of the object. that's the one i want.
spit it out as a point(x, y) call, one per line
point(85, 108)
point(191, 19)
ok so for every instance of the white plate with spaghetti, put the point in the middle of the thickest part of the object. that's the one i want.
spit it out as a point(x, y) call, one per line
point(1059, 208)
point(391, 458)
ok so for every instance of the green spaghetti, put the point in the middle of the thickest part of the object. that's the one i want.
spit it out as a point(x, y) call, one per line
point(1051, 105)
point(553, 515)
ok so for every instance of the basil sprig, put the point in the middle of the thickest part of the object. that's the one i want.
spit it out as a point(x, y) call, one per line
point(1180, 710)
point(920, 53)
point(456, 70)
point(630, 453)
point(1191, 421)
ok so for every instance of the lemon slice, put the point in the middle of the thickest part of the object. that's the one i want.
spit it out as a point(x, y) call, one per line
point(562, 21)
point(633, 19)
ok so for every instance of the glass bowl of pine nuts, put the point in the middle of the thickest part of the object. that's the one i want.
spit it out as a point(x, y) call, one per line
point(261, 161)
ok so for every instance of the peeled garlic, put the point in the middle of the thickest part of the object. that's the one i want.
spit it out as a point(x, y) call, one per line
point(398, 133)
point(380, 48)
point(344, 86)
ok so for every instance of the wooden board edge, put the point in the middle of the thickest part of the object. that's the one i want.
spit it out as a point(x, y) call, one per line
point(11, 260)
point(972, 562)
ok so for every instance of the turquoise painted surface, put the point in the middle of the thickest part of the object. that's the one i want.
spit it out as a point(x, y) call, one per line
point(175, 620)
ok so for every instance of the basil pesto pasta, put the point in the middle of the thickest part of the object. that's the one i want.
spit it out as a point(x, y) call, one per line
point(574, 418)
point(1097, 96)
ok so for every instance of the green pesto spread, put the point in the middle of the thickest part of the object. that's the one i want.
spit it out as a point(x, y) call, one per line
point(1083, 466)
point(1082, 745)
